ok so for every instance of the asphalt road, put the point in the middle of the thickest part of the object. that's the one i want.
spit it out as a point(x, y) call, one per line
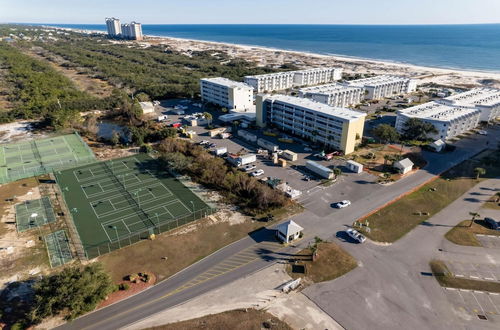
point(175, 290)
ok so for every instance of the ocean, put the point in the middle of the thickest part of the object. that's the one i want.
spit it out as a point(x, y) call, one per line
point(466, 47)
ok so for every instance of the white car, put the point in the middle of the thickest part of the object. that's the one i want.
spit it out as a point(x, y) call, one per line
point(257, 173)
point(249, 168)
point(342, 204)
point(356, 235)
point(204, 142)
point(482, 132)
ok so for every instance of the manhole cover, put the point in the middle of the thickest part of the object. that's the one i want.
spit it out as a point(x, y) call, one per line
point(482, 317)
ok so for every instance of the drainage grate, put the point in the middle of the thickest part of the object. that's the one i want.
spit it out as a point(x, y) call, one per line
point(482, 317)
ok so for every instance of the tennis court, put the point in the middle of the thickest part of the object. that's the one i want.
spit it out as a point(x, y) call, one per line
point(34, 213)
point(119, 202)
point(58, 248)
point(31, 158)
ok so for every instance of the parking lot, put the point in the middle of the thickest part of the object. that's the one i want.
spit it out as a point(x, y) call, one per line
point(483, 271)
point(295, 173)
point(475, 305)
point(489, 241)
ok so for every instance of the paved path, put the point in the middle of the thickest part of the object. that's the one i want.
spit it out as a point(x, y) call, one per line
point(214, 271)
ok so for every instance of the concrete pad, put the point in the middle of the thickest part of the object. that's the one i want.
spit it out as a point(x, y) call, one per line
point(260, 290)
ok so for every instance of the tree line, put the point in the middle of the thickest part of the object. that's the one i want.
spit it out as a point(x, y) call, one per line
point(238, 187)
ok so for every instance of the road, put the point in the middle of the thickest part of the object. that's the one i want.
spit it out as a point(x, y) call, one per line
point(197, 279)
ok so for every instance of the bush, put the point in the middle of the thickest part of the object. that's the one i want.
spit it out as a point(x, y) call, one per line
point(123, 286)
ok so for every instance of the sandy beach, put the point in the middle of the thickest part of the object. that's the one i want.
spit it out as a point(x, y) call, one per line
point(264, 56)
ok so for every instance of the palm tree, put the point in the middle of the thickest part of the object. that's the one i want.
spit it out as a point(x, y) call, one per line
point(479, 171)
point(208, 117)
point(474, 216)
point(387, 158)
point(337, 171)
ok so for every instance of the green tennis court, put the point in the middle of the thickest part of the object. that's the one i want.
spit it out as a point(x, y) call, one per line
point(58, 248)
point(34, 213)
point(31, 158)
point(119, 202)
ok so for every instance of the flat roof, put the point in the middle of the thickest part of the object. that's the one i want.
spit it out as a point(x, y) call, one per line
point(476, 97)
point(284, 73)
point(343, 113)
point(227, 82)
point(329, 89)
point(377, 80)
point(437, 111)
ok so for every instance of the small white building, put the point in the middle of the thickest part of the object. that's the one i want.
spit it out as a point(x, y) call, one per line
point(227, 93)
point(288, 231)
point(354, 166)
point(404, 166)
point(147, 107)
point(438, 145)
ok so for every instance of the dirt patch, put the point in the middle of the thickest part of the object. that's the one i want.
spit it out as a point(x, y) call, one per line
point(21, 254)
point(133, 288)
point(105, 152)
point(93, 86)
point(18, 131)
point(242, 319)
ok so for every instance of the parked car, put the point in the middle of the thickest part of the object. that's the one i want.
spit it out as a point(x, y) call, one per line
point(492, 223)
point(342, 204)
point(482, 132)
point(257, 173)
point(203, 142)
point(356, 235)
point(248, 168)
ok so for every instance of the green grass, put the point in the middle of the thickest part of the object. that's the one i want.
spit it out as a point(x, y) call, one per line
point(331, 262)
point(120, 202)
point(397, 219)
point(465, 234)
point(446, 279)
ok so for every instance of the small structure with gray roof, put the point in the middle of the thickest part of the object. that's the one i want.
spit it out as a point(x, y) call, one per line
point(288, 231)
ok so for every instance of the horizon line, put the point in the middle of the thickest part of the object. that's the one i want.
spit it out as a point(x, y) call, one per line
point(277, 24)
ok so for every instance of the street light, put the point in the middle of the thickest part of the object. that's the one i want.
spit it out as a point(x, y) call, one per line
point(116, 231)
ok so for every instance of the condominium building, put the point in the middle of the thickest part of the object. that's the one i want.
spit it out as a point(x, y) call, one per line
point(132, 31)
point(338, 128)
point(380, 87)
point(335, 95)
point(485, 99)
point(227, 93)
point(449, 120)
point(316, 76)
point(271, 82)
point(285, 80)
point(114, 27)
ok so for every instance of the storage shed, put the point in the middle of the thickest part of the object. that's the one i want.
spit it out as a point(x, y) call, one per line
point(288, 231)
point(404, 166)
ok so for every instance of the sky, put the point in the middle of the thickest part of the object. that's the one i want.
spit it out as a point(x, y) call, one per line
point(252, 11)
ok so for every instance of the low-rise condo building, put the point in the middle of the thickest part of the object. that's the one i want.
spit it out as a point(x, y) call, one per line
point(227, 93)
point(380, 87)
point(316, 76)
point(338, 128)
point(335, 95)
point(285, 80)
point(449, 120)
point(485, 99)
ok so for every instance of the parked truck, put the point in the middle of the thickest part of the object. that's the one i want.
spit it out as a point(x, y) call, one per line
point(287, 154)
point(242, 160)
point(220, 151)
point(320, 170)
point(247, 136)
point(267, 145)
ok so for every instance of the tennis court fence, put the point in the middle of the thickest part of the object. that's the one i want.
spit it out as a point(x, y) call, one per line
point(132, 238)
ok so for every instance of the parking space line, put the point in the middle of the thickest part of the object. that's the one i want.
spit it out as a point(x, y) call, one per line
point(480, 306)
point(494, 305)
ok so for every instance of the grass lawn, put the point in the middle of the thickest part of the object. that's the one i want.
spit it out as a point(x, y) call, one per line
point(395, 220)
point(465, 234)
point(331, 262)
point(182, 247)
point(241, 319)
point(446, 279)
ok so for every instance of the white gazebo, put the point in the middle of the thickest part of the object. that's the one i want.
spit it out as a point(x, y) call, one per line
point(404, 166)
point(288, 231)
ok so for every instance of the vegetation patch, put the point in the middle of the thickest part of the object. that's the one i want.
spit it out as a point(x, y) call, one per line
point(241, 319)
point(395, 220)
point(320, 262)
point(446, 279)
point(465, 232)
